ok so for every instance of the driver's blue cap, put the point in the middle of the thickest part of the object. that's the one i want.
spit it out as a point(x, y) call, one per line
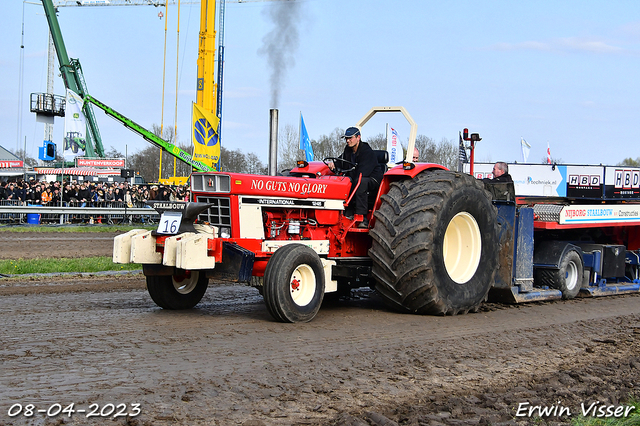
point(351, 131)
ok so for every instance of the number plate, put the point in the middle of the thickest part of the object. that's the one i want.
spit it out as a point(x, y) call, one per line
point(169, 223)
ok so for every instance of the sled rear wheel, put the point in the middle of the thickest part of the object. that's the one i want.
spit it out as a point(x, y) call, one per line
point(568, 278)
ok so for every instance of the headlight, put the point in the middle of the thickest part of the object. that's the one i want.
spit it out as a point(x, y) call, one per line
point(225, 232)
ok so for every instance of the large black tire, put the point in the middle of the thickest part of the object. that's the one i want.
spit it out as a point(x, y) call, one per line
point(568, 278)
point(435, 244)
point(177, 292)
point(294, 284)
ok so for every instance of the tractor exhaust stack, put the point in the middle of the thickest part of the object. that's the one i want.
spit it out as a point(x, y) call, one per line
point(273, 142)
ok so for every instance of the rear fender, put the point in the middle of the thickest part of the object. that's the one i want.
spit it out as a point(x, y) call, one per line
point(548, 254)
point(398, 173)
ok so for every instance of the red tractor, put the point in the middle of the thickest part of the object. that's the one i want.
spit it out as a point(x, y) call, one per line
point(431, 247)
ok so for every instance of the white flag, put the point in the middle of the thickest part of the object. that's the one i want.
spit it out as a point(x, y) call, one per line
point(525, 149)
point(75, 127)
point(393, 145)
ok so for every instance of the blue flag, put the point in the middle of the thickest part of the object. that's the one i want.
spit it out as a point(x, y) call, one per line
point(305, 143)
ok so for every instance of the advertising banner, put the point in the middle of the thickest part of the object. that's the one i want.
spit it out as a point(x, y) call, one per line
point(570, 181)
point(541, 180)
point(10, 164)
point(622, 182)
point(394, 148)
point(75, 128)
point(600, 213)
point(206, 148)
point(100, 162)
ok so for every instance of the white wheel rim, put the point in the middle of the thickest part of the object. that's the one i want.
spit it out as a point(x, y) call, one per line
point(302, 285)
point(571, 276)
point(184, 284)
point(462, 247)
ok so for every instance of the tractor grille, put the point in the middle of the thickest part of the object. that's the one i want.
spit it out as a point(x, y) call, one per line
point(211, 183)
point(217, 215)
point(548, 212)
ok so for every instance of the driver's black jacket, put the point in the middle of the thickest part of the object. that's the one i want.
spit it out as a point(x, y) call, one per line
point(367, 163)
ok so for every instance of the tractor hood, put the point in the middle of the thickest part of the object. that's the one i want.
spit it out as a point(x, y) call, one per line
point(325, 187)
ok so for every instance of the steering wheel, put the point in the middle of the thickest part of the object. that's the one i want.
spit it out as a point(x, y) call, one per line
point(342, 166)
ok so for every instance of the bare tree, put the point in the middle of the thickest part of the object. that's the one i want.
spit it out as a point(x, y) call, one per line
point(554, 160)
point(231, 160)
point(145, 162)
point(378, 141)
point(26, 158)
point(167, 133)
point(254, 165)
point(630, 162)
point(328, 145)
point(289, 148)
point(445, 152)
point(113, 153)
point(59, 158)
point(234, 161)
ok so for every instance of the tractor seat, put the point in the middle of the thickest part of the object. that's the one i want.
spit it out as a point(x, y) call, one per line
point(383, 158)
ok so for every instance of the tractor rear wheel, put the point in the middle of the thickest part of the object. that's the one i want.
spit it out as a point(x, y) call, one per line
point(179, 291)
point(435, 244)
point(293, 286)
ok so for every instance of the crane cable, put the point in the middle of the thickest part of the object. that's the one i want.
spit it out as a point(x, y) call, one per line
point(175, 125)
point(164, 72)
point(21, 89)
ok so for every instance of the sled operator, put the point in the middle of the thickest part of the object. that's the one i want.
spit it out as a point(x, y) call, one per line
point(500, 173)
point(367, 166)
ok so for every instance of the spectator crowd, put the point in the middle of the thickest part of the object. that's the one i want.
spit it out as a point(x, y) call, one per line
point(86, 194)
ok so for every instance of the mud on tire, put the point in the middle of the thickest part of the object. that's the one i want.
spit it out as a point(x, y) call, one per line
point(435, 244)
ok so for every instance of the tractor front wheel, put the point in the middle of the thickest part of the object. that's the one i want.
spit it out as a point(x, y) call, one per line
point(179, 291)
point(294, 284)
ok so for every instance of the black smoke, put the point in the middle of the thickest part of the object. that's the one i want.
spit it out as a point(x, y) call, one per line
point(281, 43)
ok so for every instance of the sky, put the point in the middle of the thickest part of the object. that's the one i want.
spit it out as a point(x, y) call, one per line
point(558, 73)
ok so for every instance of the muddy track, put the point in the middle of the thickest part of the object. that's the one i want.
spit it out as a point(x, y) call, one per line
point(33, 245)
point(101, 340)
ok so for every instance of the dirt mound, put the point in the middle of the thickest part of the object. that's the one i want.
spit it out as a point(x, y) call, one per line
point(598, 382)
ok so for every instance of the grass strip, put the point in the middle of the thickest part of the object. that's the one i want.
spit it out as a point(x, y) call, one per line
point(44, 266)
point(73, 228)
point(632, 420)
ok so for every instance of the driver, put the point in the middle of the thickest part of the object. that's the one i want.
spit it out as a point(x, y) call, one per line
point(361, 154)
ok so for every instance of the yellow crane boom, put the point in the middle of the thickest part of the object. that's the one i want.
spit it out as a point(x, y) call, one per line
point(206, 93)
